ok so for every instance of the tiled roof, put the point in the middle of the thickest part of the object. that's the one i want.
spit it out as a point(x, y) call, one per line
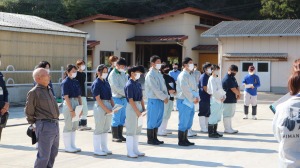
point(92, 43)
point(170, 38)
point(255, 28)
point(206, 47)
point(266, 55)
point(11, 20)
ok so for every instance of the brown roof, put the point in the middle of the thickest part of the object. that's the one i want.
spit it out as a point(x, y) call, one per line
point(189, 10)
point(206, 47)
point(170, 38)
point(92, 43)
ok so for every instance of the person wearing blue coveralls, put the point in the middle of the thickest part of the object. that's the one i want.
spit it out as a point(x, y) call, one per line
point(157, 94)
point(134, 110)
point(251, 83)
point(232, 90)
point(218, 95)
point(102, 110)
point(117, 80)
point(70, 90)
point(81, 77)
point(204, 104)
point(187, 98)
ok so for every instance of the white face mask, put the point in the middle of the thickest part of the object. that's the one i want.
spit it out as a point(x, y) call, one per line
point(158, 66)
point(191, 67)
point(74, 75)
point(104, 75)
point(114, 63)
point(217, 72)
point(137, 76)
point(251, 73)
point(208, 70)
point(122, 70)
point(82, 67)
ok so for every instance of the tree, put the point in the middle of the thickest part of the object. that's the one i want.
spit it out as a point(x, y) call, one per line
point(280, 9)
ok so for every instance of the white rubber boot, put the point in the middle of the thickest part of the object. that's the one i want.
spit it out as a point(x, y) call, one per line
point(162, 128)
point(206, 122)
point(104, 144)
point(227, 126)
point(129, 144)
point(73, 136)
point(135, 146)
point(97, 147)
point(202, 122)
point(67, 143)
point(167, 131)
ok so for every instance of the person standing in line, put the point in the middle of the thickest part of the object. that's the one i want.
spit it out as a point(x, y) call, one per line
point(232, 90)
point(134, 110)
point(175, 72)
point(187, 98)
point(81, 77)
point(251, 83)
point(102, 110)
point(113, 62)
point(286, 124)
point(4, 104)
point(196, 73)
point(42, 112)
point(204, 105)
point(218, 95)
point(46, 65)
point(70, 89)
point(117, 80)
point(171, 87)
point(157, 95)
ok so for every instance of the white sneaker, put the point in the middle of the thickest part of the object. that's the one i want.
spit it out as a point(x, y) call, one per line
point(254, 117)
point(246, 117)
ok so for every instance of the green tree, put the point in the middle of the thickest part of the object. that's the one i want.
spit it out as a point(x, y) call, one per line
point(280, 9)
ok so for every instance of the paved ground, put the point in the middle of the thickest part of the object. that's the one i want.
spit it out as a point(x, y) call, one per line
point(253, 146)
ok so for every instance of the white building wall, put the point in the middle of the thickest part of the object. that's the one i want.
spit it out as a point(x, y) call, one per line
point(280, 71)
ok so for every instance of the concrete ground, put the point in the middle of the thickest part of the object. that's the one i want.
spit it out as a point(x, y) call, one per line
point(253, 146)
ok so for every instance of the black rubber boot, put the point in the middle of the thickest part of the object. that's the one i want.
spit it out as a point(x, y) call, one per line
point(215, 130)
point(211, 131)
point(186, 140)
point(115, 134)
point(120, 133)
point(181, 139)
point(150, 136)
point(254, 110)
point(155, 136)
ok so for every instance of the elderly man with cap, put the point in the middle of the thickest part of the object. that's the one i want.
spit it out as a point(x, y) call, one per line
point(42, 111)
point(251, 83)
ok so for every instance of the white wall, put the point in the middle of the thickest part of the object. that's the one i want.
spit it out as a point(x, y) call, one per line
point(280, 71)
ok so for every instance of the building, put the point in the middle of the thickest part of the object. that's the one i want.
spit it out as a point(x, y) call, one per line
point(172, 36)
point(270, 45)
point(26, 40)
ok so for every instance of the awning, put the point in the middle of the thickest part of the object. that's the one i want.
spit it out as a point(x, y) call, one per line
point(206, 47)
point(169, 38)
point(256, 56)
point(92, 43)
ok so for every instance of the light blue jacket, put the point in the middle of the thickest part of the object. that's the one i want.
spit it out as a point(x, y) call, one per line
point(155, 86)
point(186, 86)
point(117, 81)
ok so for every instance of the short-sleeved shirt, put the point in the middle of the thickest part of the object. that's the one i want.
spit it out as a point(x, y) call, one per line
point(102, 88)
point(229, 82)
point(70, 87)
point(252, 79)
point(204, 96)
point(81, 77)
point(133, 90)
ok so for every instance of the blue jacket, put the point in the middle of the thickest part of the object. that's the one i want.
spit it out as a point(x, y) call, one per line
point(251, 79)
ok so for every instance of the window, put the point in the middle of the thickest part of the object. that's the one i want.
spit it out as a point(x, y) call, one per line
point(263, 67)
point(246, 66)
point(128, 57)
point(104, 55)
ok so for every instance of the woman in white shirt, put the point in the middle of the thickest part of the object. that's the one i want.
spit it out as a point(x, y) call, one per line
point(286, 124)
point(214, 88)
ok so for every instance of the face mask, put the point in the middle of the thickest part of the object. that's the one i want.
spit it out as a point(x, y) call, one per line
point(208, 71)
point(137, 76)
point(166, 71)
point(48, 70)
point(104, 75)
point(82, 67)
point(157, 66)
point(251, 73)
point(74, 75)
point(114, 63)
point(233, 74)
point(122, 70)
point(217, 72)
point(191, 67)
